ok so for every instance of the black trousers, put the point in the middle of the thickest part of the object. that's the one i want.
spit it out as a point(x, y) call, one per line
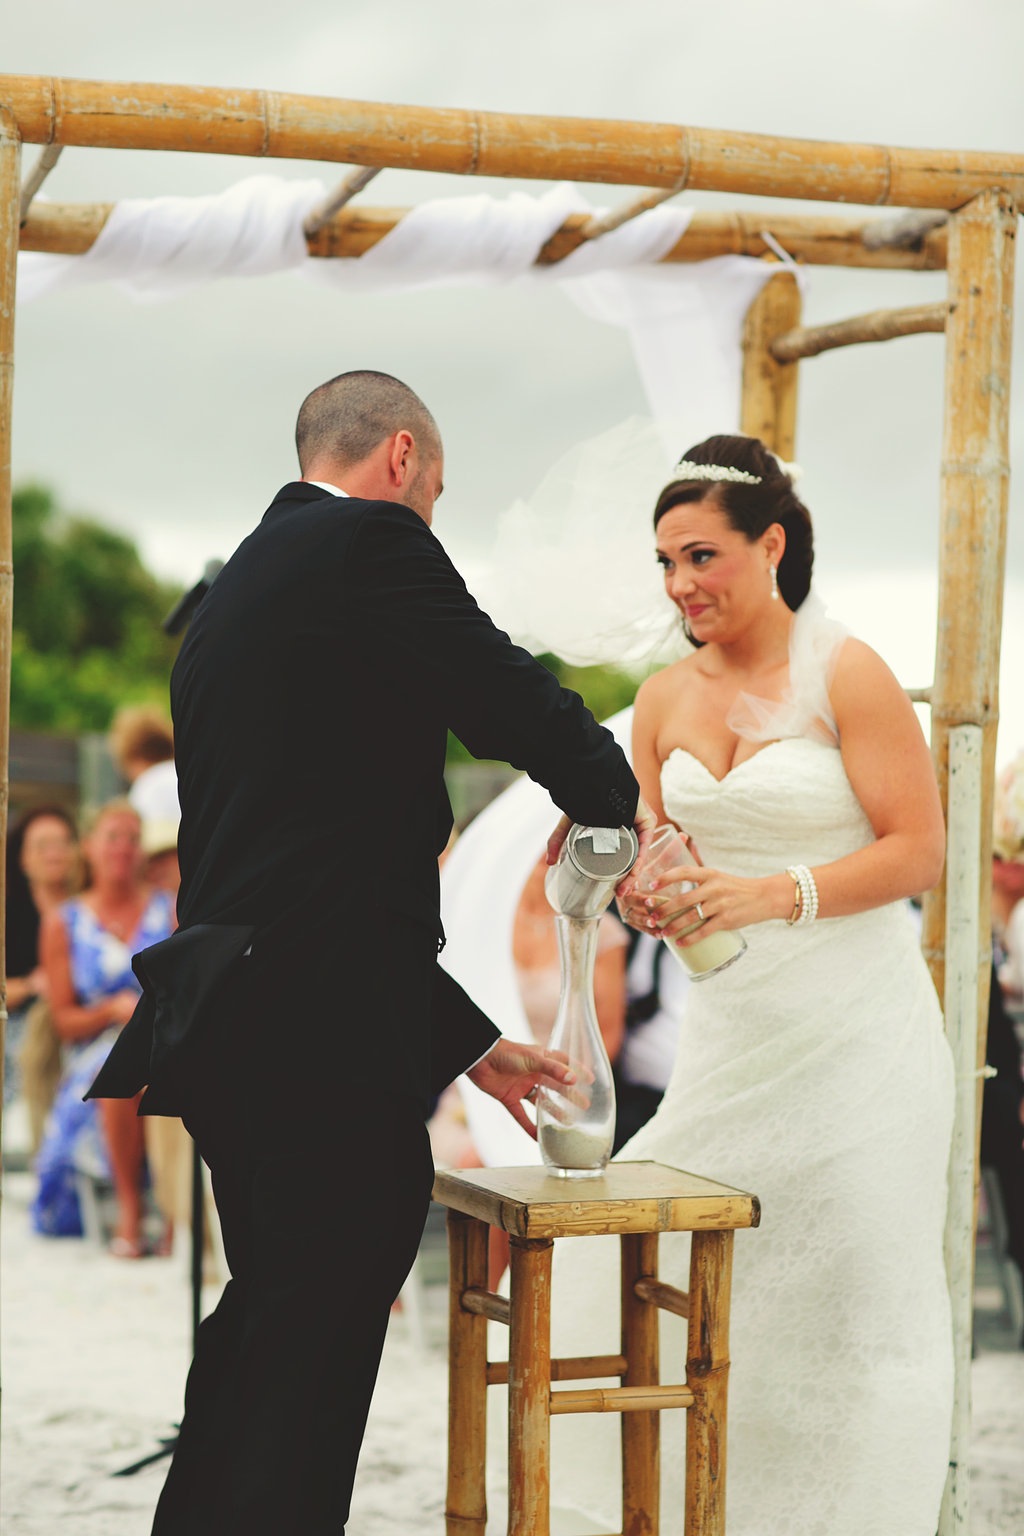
point(322, 1199)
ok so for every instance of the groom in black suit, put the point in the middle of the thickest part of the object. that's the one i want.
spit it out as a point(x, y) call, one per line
point(298, 1020)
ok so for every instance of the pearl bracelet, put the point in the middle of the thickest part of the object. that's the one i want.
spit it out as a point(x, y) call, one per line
point(808, 895)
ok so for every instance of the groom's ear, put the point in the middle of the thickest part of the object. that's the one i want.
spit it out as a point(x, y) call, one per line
point(401, 448)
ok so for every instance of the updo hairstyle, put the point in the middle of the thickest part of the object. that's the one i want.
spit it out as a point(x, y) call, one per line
point(752, 508)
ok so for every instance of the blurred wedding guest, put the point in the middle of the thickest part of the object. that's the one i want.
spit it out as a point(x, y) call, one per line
point(42, 862)
point(1001, 1115)
point(168, 1144)
point(1008, 878)
point(86, 948)
point(160, 848)
point(142, 745)
point(1003, 1104)
point(655, 998)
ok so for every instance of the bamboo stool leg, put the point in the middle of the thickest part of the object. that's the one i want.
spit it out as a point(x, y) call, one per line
point(707, 1375)
point(466, 1511)
point(529, 1389)
point(641, 1435)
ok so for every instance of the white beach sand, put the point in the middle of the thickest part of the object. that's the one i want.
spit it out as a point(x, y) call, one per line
point(94, 1355)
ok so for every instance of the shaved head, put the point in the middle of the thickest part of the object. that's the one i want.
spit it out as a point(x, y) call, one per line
point(344, 420)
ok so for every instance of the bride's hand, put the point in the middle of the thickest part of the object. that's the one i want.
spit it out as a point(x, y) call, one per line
point(718, 902)
point(632, 902)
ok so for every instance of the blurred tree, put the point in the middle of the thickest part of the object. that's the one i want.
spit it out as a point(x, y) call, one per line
point(87, 614)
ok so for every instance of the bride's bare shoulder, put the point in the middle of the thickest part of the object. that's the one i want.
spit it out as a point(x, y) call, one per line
point(664, 685)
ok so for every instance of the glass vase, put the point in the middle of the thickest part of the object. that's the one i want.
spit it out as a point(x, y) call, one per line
point(576, 1125)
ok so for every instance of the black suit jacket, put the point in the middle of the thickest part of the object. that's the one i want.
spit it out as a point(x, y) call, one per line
point(311, 701)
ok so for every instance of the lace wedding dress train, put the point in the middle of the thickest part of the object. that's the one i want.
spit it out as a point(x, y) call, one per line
point(815, 1073)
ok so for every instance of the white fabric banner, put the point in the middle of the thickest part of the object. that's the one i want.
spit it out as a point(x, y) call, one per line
point(156, 247)
point(684, 322)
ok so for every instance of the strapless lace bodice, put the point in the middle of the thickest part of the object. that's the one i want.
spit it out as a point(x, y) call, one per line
point(791, 802)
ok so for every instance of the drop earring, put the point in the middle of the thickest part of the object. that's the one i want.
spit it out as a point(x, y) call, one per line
point(775, 582)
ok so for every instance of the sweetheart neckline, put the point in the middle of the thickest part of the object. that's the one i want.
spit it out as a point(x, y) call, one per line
point(780, 741)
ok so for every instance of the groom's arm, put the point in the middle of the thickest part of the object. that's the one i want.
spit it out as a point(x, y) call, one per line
point(497, 699)
point(460, 1032)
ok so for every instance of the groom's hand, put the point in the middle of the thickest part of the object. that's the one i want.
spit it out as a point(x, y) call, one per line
point(512, 1072)
point(644, 824)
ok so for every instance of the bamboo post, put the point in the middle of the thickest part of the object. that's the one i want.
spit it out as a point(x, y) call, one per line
point(975, 484)
point(768, 401)
point(641, 1434)
point(529, 1388)
point(707, 1373)
point(10, 219)
point(466, 1508)
point(962, 948)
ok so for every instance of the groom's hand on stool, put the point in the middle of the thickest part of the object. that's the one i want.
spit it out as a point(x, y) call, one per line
point(512, 1072)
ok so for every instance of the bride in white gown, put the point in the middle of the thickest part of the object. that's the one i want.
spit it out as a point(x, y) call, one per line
point(814, 1072)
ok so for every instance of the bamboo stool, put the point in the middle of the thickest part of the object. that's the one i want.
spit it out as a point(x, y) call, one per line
point(635, 1201)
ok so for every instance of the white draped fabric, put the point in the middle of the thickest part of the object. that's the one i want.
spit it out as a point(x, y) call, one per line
point(484, 240)
point(156, 247)
point(684, 323)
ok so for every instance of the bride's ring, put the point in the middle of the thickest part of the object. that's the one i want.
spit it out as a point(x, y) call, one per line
point(532, 1095)
point(699, 911)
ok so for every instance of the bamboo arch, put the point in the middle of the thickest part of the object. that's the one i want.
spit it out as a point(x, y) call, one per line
point(980, 192)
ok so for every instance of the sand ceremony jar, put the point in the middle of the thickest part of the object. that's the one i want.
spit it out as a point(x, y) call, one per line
point(576, 1125)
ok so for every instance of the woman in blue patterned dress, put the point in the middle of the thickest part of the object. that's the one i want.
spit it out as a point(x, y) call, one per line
point(86, 948)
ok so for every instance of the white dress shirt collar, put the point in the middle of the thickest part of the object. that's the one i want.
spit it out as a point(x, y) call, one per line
point(324, 485)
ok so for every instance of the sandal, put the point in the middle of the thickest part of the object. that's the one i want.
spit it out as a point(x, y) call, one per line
point(126, 1248)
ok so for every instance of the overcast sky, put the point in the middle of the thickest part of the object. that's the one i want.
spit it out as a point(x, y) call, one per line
point(175, 420)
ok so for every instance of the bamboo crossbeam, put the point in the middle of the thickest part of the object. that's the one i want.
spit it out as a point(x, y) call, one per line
point(667, 1297)
point(621, 1399)
point(342, 194)
point(213, 120)
point(834, 240)
point(569, 1368)
point(38, 174)
point(486, 1304)
point(878, 325)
